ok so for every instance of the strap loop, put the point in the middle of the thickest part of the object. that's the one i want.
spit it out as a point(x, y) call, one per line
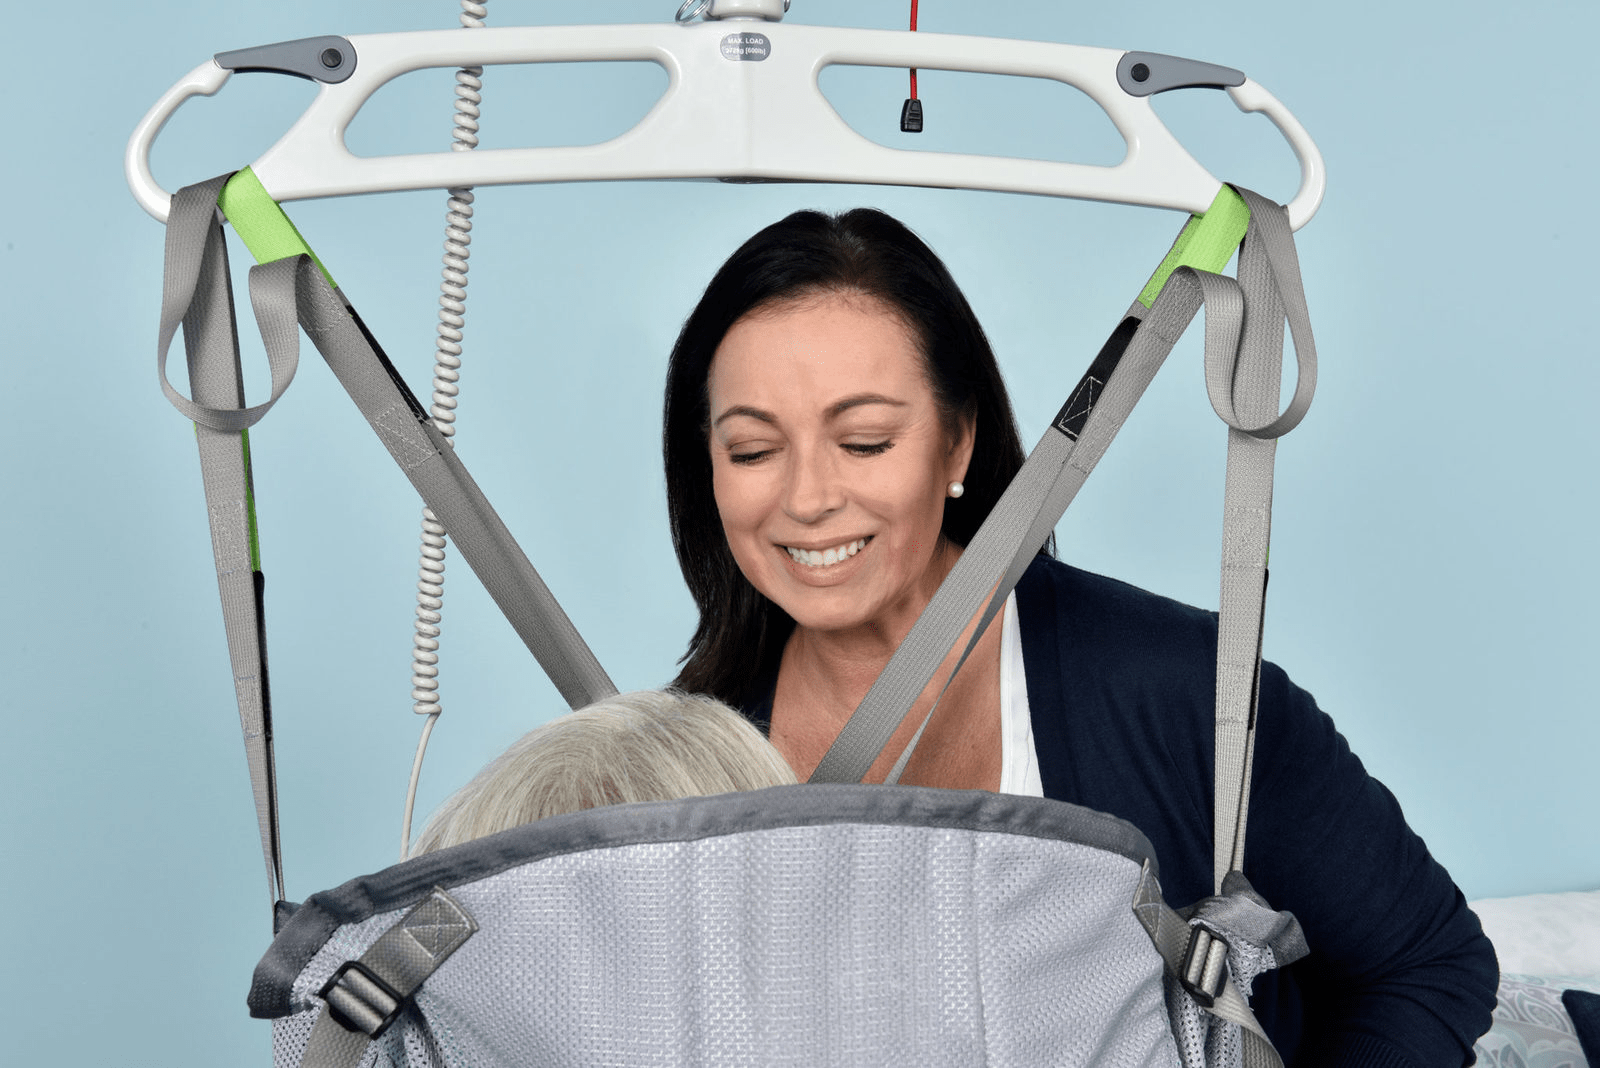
point(196, 250)
point(1270, 244)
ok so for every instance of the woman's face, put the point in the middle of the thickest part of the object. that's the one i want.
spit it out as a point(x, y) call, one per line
point(829, 461)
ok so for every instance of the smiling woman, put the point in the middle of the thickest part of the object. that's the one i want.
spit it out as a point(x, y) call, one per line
point(834, 391)
point(830, 466)
point(836, 430)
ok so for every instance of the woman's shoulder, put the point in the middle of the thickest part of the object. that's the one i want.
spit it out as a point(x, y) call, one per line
point(1081, 607)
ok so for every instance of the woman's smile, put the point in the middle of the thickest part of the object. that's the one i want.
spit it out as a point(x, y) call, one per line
point(829, 566)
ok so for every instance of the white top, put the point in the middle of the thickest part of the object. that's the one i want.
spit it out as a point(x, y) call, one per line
point(1019, 761)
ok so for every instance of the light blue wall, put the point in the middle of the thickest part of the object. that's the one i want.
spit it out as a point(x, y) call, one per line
point(1434, 575)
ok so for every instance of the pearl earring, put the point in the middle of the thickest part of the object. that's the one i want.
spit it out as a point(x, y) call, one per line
point(956, 489)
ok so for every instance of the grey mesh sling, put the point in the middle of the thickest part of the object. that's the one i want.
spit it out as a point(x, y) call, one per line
point(782, 926)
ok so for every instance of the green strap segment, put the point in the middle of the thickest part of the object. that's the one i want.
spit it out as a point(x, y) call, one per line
point(261, 223)
point(1207, 243)
point(250, 504)
point(269, 235)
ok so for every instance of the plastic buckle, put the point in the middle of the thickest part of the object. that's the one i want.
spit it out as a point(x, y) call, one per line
point(359, 1001)
point(1204, 966)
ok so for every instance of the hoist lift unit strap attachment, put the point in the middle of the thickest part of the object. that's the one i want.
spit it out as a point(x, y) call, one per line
point(290, 288)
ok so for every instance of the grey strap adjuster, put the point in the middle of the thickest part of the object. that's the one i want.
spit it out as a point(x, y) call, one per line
point(366, 996)
point(360, 1001)
point(1204, 971)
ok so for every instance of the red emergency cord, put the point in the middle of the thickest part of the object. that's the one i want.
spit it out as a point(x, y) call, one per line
point(911, 110)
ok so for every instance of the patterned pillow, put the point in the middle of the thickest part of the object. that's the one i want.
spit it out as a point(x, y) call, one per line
point(1531, 1027)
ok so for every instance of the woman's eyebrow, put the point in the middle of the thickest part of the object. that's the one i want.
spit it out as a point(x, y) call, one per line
point(835, 410)
point(745, 409)
point(856, 401)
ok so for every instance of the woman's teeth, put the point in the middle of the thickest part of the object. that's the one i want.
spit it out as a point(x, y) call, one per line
point(812, 558)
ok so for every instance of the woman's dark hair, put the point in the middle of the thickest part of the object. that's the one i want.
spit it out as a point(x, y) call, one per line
point(741, 633)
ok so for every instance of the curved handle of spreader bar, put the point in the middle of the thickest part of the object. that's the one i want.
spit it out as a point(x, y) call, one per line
point(721, 117)
point(1313, 175)
point(204, 80)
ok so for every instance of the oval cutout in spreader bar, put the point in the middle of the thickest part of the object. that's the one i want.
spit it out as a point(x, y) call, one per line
point(960, 108)
point(525, 105)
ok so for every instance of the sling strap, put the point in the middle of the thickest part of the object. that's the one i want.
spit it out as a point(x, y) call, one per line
point(197, 292)
point(1244, 338)
point(1244, 392)
point(290, 290)
point(1040, 491)
point(290, 287)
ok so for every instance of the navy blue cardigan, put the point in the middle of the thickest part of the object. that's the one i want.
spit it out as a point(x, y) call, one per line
point(1121, 684)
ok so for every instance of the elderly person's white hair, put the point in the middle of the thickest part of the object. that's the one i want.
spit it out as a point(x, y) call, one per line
point(650, 745)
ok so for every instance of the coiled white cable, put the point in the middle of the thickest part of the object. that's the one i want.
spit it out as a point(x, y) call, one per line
point(446, 387)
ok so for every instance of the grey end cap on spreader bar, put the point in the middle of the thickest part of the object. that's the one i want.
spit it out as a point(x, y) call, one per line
point(1149, 73)
point(327, 59)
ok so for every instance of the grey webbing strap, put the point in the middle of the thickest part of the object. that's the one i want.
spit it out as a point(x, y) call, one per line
point(1106, 414)
point(1019, 523)
point(197, 292)
point(195, 242)
point(1244, 390)
point(294, 289)
point(365, 996)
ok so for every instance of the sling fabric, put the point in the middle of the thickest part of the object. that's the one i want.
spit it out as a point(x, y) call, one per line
point(830, 925)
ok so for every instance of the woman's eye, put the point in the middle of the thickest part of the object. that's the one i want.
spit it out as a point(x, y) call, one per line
point(870, 449)
point(749, 457)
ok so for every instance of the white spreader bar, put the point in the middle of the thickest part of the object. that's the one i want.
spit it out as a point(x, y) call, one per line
point(743, 102)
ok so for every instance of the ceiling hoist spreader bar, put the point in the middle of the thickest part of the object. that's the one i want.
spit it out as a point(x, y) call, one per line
point(743, 103)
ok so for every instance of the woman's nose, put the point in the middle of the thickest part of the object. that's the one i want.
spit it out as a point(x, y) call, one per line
point(815, 489)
